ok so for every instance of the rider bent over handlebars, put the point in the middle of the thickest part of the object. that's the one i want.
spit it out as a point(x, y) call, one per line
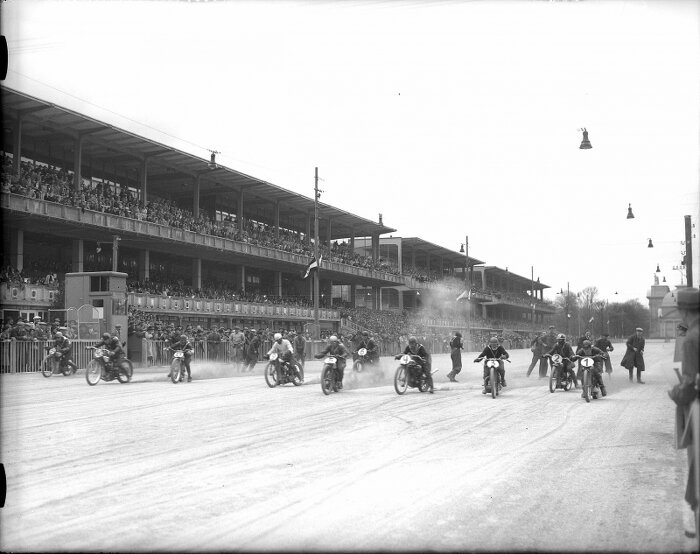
point(337, 350)
point(113, 347)
point(588, 350)
point(564, 349)
point(494, 351)
point(423, 359)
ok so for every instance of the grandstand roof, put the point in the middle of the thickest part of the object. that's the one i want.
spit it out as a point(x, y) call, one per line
point(436, 250)
point(522, 281)
point(170, 170)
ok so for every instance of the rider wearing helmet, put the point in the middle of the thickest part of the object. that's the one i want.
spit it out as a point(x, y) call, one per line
point(184, 344)
point(564, 349)
point(494, 351)
point(587, 349)
point(113, 346)
point(62, 344)
point(282, 347)
point(340, 352)
point(414, 348)
point(365, 341)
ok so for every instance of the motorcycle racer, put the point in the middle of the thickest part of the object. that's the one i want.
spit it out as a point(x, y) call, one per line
point(414, 348)
point(371, 346)
point(62, 344)
point(340, 352)
point(113, 346)
point(283, 348)
point(587, 349)
point(494, 350)
point(564, 349)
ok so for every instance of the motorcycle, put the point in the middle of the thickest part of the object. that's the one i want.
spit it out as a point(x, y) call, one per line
point(494, 376)
point(330, 380)
point(54, 363)
point(362, 365)
point(410, 374)
point(177, 367)
point(280, 372)
point(555, 376)
point(586, 364)
point(100, 367)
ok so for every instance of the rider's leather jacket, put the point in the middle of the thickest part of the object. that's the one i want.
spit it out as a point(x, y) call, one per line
point(421, 351)
point(337, 350)
point(63, 346)
point(114, 346)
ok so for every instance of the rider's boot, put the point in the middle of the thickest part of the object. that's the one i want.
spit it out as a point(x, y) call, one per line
point(639, 377)
point(631, 370)
point(603, 392)
point(451, 376)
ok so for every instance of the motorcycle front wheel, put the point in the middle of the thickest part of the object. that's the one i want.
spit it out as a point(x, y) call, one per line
point(553, 380)
point(493, 379)
point(47, 366)
point(357, 366)
point(93, 372)
point(271, 375)
point(400, 380)
point(175, 371)
point(587, 384)
point(298, 378)
point(327, 380)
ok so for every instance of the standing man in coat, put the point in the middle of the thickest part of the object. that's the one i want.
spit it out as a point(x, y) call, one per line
point(456, 346)
point(604, 344)
point(634, 357)
point(538, 347)
point(686, 392)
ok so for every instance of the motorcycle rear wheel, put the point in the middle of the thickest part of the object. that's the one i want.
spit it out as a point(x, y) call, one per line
point(123, 372)
point(47, 366)
point(493, 379)
point(587, 384)
point(327, 380)
point(298, 377)
point(271, 375)
point(401, 380)
point(93, 372)
point(175, 371)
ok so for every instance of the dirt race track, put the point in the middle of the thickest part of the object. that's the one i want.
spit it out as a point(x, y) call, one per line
point(226, 463)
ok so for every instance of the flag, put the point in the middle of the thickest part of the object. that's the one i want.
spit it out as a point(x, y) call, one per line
point(466, 295)
point(313, 264)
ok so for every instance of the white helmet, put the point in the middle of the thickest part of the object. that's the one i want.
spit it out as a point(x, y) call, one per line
point(278, 336)
point(333, 338)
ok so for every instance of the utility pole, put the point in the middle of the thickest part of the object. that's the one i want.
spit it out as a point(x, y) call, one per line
point(317, 276)
point(468, 278)
point(115, 252)
point(688, 252)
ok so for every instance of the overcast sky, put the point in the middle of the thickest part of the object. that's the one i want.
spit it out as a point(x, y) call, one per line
point(449, 118)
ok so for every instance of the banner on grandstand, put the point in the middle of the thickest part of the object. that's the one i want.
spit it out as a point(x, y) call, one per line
point(313, 264)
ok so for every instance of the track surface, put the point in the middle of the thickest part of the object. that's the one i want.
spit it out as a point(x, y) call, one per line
point(226, 463)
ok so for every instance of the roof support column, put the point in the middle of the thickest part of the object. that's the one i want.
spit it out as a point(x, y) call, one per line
point(239, 217)
point(375, 247)
point(308, 229)
point(278, 283)
point(17, 147)
point(144, 265)
point(78, 255)
point(144, 182)
point(197, 273)
point(329, 233)
point(17, 248)
point(78, 164)
point(277, 221)
point(195, 197)
point(352, 241)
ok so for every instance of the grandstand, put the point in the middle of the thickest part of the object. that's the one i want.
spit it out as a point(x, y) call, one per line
point(204, 244)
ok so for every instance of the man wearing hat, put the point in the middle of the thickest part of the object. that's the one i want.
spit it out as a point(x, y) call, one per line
point(634, 357)
point(685, 392)
point(237, 344)
point(604, 344)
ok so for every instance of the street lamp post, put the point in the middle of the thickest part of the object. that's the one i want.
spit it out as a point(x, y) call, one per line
point(317, 275)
